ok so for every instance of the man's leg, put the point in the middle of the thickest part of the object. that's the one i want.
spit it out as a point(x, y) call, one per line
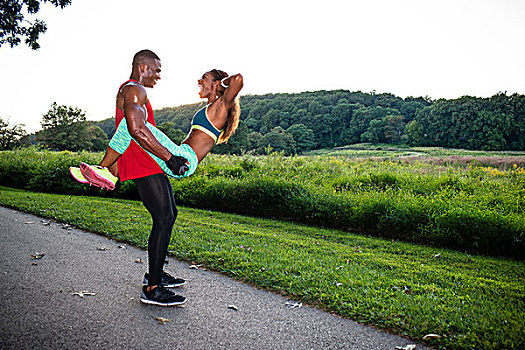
point(157, 196)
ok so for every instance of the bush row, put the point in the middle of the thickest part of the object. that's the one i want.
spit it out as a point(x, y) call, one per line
point(46, 171)
point(443, 210)
point(440, 223)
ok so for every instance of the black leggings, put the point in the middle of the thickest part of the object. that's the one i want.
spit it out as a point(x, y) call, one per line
point(157, 196)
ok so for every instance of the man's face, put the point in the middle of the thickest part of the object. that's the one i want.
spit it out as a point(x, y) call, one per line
point(151, 73)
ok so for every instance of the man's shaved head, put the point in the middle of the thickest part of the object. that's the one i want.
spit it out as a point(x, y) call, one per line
point(144, 56)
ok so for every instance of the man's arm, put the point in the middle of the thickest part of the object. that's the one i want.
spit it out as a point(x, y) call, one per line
point(135, 98)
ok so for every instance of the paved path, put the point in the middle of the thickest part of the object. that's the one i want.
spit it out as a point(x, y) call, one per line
point(39, 310)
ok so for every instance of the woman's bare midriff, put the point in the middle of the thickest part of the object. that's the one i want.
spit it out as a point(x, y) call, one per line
point(200, 142)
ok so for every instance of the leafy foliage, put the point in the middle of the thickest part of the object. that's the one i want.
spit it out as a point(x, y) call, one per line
point(12, 28)
point(296, 123)
point(10, 136)
point(171, 130)
point(471, 208)
point(66, 128)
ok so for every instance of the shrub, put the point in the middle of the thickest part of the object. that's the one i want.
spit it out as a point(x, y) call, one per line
point(471, 209)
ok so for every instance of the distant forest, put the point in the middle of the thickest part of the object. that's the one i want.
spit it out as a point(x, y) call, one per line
point(294, 123)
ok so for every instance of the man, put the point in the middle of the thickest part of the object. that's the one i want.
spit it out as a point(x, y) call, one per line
point(153, 186)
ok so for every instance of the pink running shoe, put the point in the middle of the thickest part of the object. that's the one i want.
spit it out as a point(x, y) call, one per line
point(98, 176)
point(77, 175)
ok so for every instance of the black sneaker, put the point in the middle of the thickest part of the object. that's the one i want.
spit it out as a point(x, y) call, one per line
point(168, 281)
point(161, 296)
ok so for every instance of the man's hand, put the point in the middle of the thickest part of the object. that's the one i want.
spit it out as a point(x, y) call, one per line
point(177, 165)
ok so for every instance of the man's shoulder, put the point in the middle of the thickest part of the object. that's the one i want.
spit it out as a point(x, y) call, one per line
point(132, 85)
point(134, 92)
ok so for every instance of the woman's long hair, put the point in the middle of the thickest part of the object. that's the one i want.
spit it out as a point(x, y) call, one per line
point(232, 121)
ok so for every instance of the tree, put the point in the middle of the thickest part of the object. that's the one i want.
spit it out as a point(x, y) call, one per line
point(253, 140)
point(414, 133)
point(10, 136)
point(270, 119)
point(304, 137)
point(12, 28)
point(394, 127)
point(237, 144)
point(253, 124)
point(375, 132)
point(279, 140)
point(175, 134)
point(98, 138)
point(65, 128)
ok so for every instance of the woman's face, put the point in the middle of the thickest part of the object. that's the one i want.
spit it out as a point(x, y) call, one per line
point(206, 84)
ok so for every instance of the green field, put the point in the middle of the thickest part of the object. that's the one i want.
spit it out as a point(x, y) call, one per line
point(470, 301)
point(386, 151)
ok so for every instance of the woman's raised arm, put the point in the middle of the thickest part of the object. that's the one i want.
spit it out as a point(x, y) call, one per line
point(233, 85)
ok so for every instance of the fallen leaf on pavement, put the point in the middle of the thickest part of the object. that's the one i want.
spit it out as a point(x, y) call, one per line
point(233, 307)
point(431, 336)
point(161, 320)
point(82, 293)
point(102, 248)
point(138, 261)
point(196, 267)
point(408, 347)
point(38, 255)
point(294, 305)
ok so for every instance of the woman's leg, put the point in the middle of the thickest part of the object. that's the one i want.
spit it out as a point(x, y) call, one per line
point(110, 161)
point(110, 158)
point(121, 140)
point(184, 151)
point(118, 144)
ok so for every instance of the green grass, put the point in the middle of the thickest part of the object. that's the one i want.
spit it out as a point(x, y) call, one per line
point(473, 302)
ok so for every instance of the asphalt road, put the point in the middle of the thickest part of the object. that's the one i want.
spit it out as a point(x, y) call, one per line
point(42, 307)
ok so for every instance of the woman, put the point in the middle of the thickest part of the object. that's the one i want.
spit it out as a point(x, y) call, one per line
point(212, 124)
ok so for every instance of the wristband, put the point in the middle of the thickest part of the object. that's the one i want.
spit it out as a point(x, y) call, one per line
point(222, 83)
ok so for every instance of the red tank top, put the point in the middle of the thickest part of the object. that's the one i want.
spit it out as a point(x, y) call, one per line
point(135, 162)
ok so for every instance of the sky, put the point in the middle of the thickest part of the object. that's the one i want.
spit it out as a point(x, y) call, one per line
point(435, 48)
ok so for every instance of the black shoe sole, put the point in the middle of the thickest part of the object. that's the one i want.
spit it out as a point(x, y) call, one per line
point(145, 283)
point(160, 303)
point(173, 285)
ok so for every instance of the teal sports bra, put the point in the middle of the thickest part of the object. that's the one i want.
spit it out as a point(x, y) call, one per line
point(202, 123)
